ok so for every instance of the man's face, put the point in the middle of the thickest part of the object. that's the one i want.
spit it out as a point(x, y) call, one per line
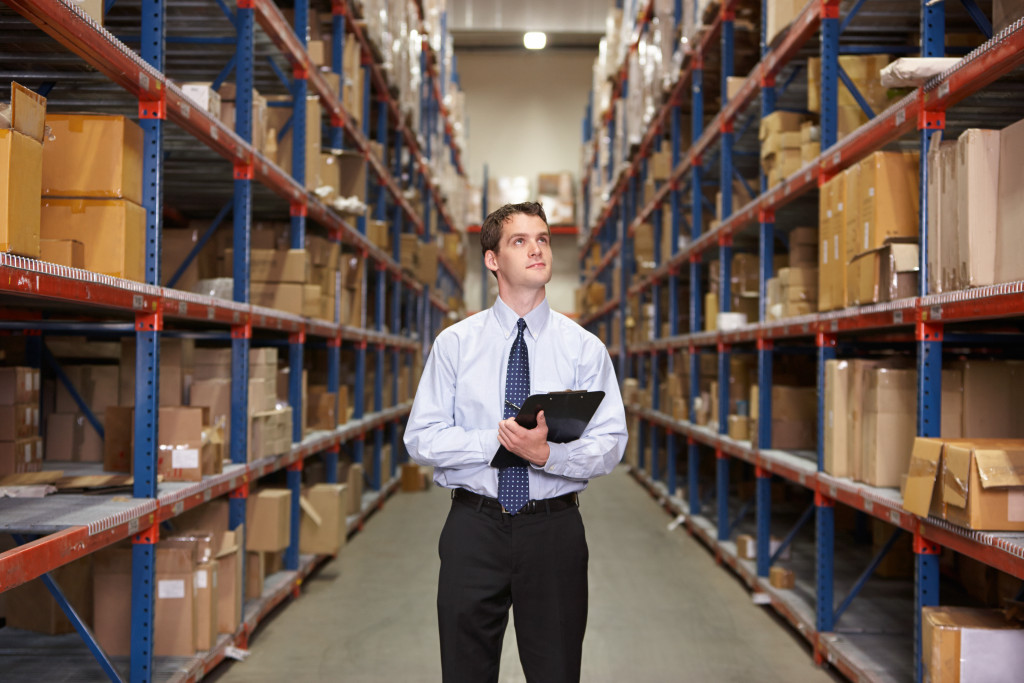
point(523, 258)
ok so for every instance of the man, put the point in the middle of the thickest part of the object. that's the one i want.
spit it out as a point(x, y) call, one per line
point(514, 535)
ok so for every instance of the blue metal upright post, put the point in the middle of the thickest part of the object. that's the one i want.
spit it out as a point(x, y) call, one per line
point(299, 89)
point(296, 346)
point(293, 478)
point(337, 141)
point(147, 353)
point(764, 441)
point(693, 450)
point(824, 506)
point(333, 387)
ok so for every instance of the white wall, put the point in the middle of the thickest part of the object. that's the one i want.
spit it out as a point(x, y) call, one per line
point(525, 111)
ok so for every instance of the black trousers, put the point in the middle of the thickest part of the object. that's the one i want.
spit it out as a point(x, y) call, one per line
point(491, 562)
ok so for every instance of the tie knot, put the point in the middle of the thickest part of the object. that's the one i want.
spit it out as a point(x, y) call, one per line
point(521, 324)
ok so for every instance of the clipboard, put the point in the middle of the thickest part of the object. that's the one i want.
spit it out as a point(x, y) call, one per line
point(567, 414)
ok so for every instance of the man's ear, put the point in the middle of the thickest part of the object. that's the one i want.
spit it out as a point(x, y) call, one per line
point(491, 260)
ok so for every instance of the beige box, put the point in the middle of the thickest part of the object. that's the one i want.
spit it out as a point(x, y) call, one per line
point(268, 518)
point(983, 484)
point(952, 639)
point(65, 252)
point(838, 462)
point(93, 155)
point(780, 577)
point(21, 164)
point(323, 528)
point(1009, 240)
point(977, 159)
point(270, 265)
point(112, 230)
point(207, 604)
point(181, 443)
point(229, 581)
point(889, 427)
point(888, 190)
point(746, 547)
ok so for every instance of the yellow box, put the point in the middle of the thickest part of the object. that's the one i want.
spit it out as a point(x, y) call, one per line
point(21, 161)
point(112, 230)
point(93, 155)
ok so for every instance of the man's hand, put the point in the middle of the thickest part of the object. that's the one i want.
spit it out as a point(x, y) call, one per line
point(529, 444)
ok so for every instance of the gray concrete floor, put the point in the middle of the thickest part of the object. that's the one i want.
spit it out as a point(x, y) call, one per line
point(660, 609)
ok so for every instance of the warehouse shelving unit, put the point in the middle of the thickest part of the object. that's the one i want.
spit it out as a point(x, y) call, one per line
point(44, 298)
point(919, 321)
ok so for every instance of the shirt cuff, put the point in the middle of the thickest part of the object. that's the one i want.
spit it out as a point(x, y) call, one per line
point(557, 458)
point(488, 444)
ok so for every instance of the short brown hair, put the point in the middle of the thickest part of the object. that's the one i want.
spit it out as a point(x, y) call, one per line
point(490, 231)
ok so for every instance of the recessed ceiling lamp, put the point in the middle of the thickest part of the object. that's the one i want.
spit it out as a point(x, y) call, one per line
point(535, 40)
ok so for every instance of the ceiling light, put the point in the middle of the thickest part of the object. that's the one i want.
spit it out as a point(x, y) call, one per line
point(534, 40)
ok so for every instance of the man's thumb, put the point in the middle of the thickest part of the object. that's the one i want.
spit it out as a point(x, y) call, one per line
point(540, 418)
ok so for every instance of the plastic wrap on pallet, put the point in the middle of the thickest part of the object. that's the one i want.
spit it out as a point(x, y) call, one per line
point(911, 72)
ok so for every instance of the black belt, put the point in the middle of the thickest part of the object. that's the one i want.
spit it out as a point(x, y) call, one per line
point(569, 500)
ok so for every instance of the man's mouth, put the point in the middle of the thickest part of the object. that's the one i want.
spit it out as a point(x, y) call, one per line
point(536, 265)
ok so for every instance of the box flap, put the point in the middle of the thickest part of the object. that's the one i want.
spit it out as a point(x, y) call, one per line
point(905, 258)
point(307, 507)
point(229, 542)
point(956, 469)
point(28, 112)
point(924, 467)
point(1000, 467)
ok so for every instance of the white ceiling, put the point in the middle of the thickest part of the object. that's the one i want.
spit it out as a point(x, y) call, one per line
point(553, 16)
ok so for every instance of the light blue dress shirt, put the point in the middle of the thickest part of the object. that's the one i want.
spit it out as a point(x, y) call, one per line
point(453, 425)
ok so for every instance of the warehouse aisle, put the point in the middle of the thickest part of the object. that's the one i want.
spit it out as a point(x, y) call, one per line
point(660, 609)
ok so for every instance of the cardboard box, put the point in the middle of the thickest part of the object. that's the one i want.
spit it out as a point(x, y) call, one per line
point(884, 274)
point(323, 528)
point(19, 421)
point(837, 388)
point(93, 155)
point(276, 118)
point(780, 122)
point(206, 97)
point(992, 390)
point(255, 575)
point(970, 644)
point(71, 437)
point(19, 385)
point(746, 547)
point(888, 189)
point(284, 296)
point(977, 158)
point(21, 161)
point(229, 581)
point(97, 385)
point(207, 604)
point(921, 495)
point(780, 14)
point(112, 230)
point(70, 253)
point(119, 435)
point(31, 607)
point(214, 394)
point(782, 578)
point(1011, 205)
point(268, 516)
point(739, 427)
point(112, 578)
point(321, 408)
point(983, 484)
point(355, 488)
point(889, 427)
point(271, 265)
point(942, 213)
point(181, 443)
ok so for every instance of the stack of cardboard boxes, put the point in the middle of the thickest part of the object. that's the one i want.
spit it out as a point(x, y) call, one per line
point(868, 231)
point(781, 145)
point(794, 289)
point(92, 191)
point(21, 161)
point(863, 70)
point(968, 644)
point(21, 448)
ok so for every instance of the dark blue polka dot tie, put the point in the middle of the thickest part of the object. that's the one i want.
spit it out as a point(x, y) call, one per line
point(514, 482)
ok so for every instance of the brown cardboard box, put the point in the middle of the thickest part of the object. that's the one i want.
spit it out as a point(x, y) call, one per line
point(983, 484)
point(271, 265)
point(889, 427)
point(321, 408)
point(18, 421)
point(921, 495)
point(780, 122)
point(888, 189)
point(323, 528)
point(352, 175)
point(229, 582)
point(93, 155)
point(19, 385)
point(884, 274)
point(355, 488)
point(837, 389)
point(746, 547)
point(70, 253)
point(207, 604)
point(958, 645)
point(942, 211)
point(276, 118)
point(992, 390)
point(21, 161)
point(112, 578)
point(70, 436)
point(214, 394)
point(977, 158)
point(267, 519)
point(255, 575)
point(780, 15)
point(739, 427)
point(181, 442)
point(97, 385)
point(119, 433)
point(1009, 266)
point(284, 296)
point(779, 577)
point(31, 607)
point(112, 230)
point(379, 233)
point(311, 295)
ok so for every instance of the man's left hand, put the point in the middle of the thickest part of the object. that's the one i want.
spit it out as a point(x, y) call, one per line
point(529, 444)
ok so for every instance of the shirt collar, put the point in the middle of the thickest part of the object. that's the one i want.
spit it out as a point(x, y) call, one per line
point(507, 318)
